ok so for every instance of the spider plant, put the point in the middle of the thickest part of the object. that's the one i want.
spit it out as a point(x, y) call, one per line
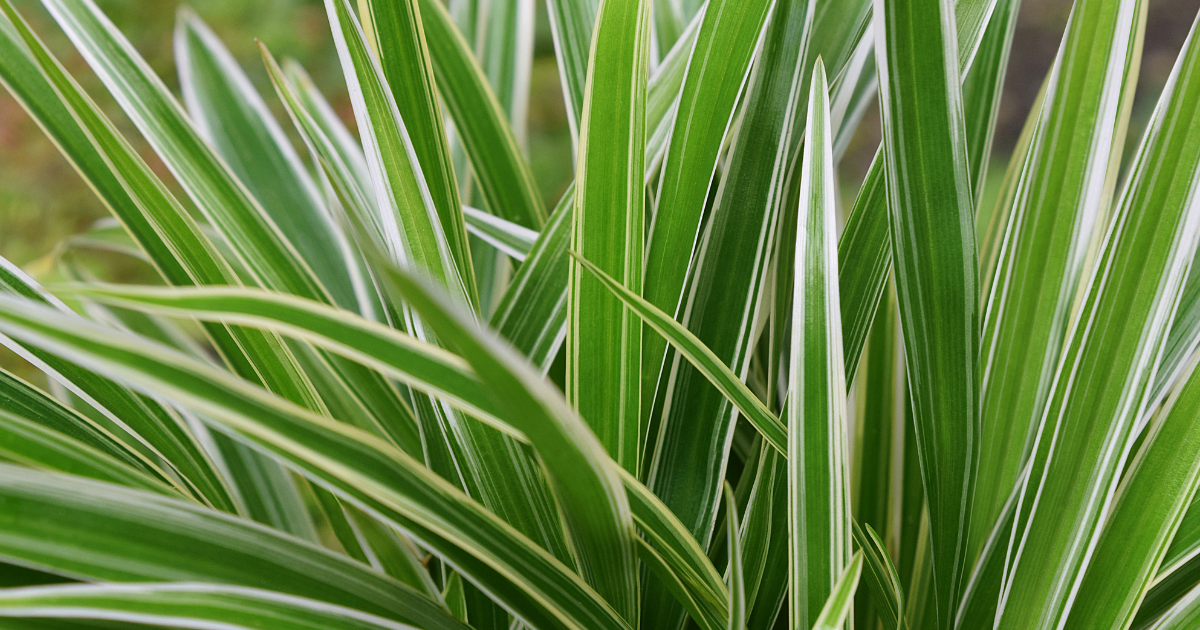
point(382, 385)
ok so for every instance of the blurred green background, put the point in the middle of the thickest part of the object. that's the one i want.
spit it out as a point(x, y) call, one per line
point(42, 200)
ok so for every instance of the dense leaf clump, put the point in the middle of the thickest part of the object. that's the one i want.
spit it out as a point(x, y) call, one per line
point(382, 385)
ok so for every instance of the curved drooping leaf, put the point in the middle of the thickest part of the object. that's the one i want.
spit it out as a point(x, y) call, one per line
point(185, 605)
point(31, 444)
point(354, 465)
point(88, 529)
point(701, 356)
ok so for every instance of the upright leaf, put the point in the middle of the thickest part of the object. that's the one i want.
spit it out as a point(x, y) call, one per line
point(715, 77)
point(234, 119)
point(1062, 196)
point(400, 42)
point(691, 435)
point(933, 243)
point(818, 469)
point(604, 341)
point(1104, 379)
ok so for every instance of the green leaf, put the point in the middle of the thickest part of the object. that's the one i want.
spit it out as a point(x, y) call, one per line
point(532, 315)
point(1107, 367)
point(837, 608)
point(419, 364)
point(882, 579)
point(408, 218)
point(1057, 215)
point(678, 552)
point(1145, 515)
point(737, 581)
point(689, 438)
point(209, 182)
point(510, 238)
point(716, 73)
point(595, 508)
point(701, 357)
point(185, 605)
point(572, 23)
point(362, 469)
point(818, 471)
point(505, 178)
point(26, 401)
point(92, 530)
point(26, 442)
point(604, 342)
point(229, 113)
point(933, 242)
point(399, 41)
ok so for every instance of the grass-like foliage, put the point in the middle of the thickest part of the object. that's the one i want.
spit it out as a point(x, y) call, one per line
point(382, 385)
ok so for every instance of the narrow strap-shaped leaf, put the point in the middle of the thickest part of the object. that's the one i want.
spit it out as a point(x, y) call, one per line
point(572, 23)
point(93, 530)
point(31, 444)
point(818, 468)
point(604, 342)
point(421, 364)
point(595, 507)
point(409, 221)
point(513, 486)
point(666, 82)
point(766, 542)
point(1056, 219)
point(162, 228)
point(400, 43)
point(356, 466)
point(716, 73)
point(688, 439)
point(25, 400)
point(865, 251)
point(1105, 375)
point(224, 200)
point(1145, 515)
point(492, 145)
point(1183, 614)
point(878, 456)
point(510, 238)
point(838, 606)
point(149, 426)
point(737, 580)
point(882, 579)
point(532, 315)
point(185, 605)
point(229, 113)
point(933, 242)
point(982, 87)
point(701, 357)
point(676, 548)
point(673, 583)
